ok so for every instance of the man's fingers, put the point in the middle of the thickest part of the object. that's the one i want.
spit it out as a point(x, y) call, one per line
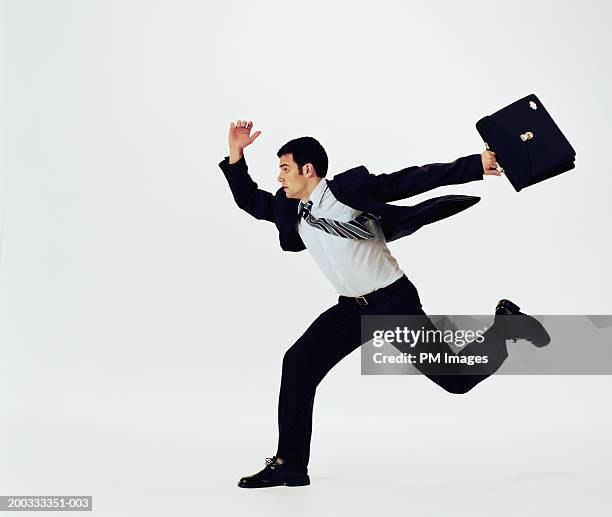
point(242, 127)
point(242, 124)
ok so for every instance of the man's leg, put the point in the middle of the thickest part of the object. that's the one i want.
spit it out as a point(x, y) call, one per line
point(460, 378)
point(454, 377)
point(330, 338)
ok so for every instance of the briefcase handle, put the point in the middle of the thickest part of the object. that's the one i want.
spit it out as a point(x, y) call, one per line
point(499, 167)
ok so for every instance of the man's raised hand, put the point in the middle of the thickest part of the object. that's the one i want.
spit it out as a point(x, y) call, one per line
point(239, 137)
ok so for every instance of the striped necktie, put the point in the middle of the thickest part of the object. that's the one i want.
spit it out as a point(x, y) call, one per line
point(354, 229)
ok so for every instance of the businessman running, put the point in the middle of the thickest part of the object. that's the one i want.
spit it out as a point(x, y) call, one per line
point(346, 223)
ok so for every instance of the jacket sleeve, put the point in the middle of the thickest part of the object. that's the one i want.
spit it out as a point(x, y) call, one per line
point(417, 179)
point(254, 201)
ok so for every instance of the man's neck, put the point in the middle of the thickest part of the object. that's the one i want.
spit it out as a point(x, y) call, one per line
point(310, 190)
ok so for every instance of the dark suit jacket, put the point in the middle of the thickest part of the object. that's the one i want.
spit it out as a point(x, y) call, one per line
point(366, 192)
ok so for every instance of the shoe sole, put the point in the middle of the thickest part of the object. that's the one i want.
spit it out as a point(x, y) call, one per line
point(297, 481)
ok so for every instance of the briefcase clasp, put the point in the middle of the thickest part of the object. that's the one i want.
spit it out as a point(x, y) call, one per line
point(527, 136)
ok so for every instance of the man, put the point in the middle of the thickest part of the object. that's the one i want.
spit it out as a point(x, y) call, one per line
point(345, 224)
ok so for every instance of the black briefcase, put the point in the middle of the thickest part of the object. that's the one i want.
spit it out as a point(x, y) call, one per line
point(528, 145)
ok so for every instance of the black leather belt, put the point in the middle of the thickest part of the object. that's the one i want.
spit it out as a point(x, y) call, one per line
point(374, 295)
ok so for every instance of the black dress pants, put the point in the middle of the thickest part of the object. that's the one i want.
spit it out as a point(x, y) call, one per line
point(334, 335)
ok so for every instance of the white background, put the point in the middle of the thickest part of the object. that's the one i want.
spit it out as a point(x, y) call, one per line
point(143, 316)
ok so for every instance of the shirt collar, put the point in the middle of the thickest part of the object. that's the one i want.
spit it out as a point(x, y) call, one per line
point(317, 193)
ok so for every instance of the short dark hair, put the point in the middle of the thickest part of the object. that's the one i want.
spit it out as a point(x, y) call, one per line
point(306, 150)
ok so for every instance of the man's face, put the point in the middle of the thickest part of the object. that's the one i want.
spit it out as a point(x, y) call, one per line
point(294, 183)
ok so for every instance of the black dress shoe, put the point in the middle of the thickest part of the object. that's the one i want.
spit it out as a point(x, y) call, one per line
point(520, 326)
point(276, 473)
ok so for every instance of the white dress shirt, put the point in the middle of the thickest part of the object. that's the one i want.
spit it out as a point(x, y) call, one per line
point(354, 267)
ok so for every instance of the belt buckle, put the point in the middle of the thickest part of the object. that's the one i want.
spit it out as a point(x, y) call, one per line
point(361, 300)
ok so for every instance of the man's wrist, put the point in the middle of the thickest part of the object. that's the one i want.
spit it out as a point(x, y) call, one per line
point(235, 156)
